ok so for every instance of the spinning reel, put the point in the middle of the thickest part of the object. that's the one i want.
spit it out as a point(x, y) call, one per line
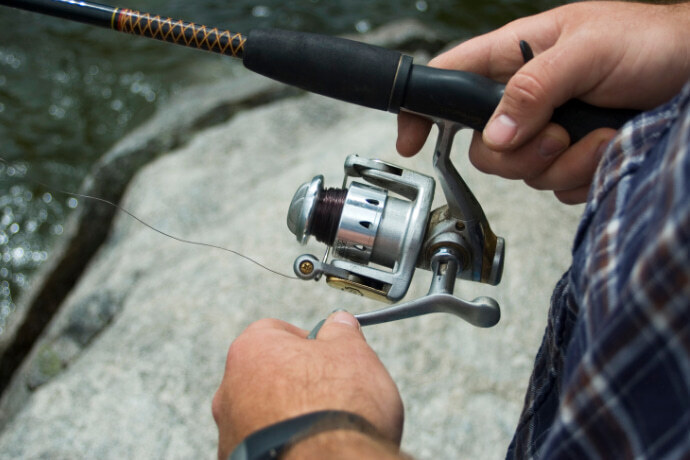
point(378, 239)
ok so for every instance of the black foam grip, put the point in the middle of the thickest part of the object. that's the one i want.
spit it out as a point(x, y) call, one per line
point(471, 99)
point(580, 118)
point(465, 97)
point(384, 79)
point(336, 67)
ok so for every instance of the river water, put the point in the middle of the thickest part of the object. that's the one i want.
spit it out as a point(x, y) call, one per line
point(69, 91)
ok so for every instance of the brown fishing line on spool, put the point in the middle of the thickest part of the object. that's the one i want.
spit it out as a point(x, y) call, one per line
point(176, 238)
point(327, 211)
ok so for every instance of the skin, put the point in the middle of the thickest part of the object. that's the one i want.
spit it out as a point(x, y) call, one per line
point(273, 372)
point(584, 51)
point(623, 55)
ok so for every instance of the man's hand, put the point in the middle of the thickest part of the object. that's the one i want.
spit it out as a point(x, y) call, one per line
point(609, 54)
point(273, 372)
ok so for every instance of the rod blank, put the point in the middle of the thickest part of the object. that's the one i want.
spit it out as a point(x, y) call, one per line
point(133, 22)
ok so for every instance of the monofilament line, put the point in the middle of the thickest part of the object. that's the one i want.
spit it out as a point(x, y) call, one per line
point(146, 224)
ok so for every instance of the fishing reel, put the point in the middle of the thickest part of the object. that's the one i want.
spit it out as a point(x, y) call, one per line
point(381, 228)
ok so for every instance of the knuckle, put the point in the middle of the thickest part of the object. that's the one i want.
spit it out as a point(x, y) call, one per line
point(265, 323)
point(514, 164)
point(537, 183)
point(537, 174)
point(480, 156)
point(238, 351)
point(518, 167)
point(479, 161)
point(525, 90)
point(217, 408)
point(563, 198)
point(571, 198)
point(235, 352)
point(516, 171)
point(499, 164)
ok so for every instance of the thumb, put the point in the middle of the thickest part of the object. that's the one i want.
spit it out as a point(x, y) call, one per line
point(533, 92)
point(340, 324)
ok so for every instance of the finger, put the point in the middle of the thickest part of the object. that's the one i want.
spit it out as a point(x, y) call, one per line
point(268, 324)
point(497, 54)
point(546, 82)
point(220, 411)
point(528, 161)
point(412, 133)
point(575, 167)
point(340, 325)
point(413, 130)
point(315, 330)
point(268, 331)
point(575, 196)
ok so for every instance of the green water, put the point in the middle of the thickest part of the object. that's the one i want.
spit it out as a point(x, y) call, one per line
point(69, 91)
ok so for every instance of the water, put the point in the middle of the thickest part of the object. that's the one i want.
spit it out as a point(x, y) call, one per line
point(69, 91)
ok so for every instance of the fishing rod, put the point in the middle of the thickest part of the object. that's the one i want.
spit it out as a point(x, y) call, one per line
point(381, 228)
point(343, 69)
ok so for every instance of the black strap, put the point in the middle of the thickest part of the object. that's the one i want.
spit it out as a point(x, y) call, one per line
point(270, 442)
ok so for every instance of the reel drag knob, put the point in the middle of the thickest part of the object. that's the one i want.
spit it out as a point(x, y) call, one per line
point(302, 207)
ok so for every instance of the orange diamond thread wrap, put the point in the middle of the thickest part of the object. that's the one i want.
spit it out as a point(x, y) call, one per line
point(180, 33)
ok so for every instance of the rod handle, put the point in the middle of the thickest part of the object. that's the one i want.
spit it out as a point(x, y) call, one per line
point(384, 79)
point(471, 99)
point(331, 66)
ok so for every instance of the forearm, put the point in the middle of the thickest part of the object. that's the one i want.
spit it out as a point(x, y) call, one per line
point(344, 445)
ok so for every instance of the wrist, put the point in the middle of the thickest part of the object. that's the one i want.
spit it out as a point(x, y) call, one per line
point(275, 440)
point(342, 445)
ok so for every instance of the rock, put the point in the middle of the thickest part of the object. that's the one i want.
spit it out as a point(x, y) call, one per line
point(406, 35)
point(86, 229)
point(173, 125)
point(143, 386)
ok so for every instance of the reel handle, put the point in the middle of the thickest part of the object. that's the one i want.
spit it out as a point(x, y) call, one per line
point(481, 312)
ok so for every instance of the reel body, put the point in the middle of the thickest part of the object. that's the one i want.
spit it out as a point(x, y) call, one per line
point(377, 236)
point(379, 230)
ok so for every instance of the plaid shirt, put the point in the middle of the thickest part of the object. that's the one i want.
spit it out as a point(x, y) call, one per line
point(612, 376)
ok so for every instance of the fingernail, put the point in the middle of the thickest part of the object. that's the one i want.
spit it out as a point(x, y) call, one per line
point(343, 317)
point(551, 146)
point(501, 130)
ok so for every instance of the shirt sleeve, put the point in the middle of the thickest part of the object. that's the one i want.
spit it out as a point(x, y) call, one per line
point(619, 359)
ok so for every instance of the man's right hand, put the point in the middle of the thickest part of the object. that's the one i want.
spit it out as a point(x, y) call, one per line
point(273, 373)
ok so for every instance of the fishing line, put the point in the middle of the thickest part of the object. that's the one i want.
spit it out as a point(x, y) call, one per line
point(146, 224)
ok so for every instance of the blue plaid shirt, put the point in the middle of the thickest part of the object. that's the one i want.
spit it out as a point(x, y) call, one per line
point(612, 376)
